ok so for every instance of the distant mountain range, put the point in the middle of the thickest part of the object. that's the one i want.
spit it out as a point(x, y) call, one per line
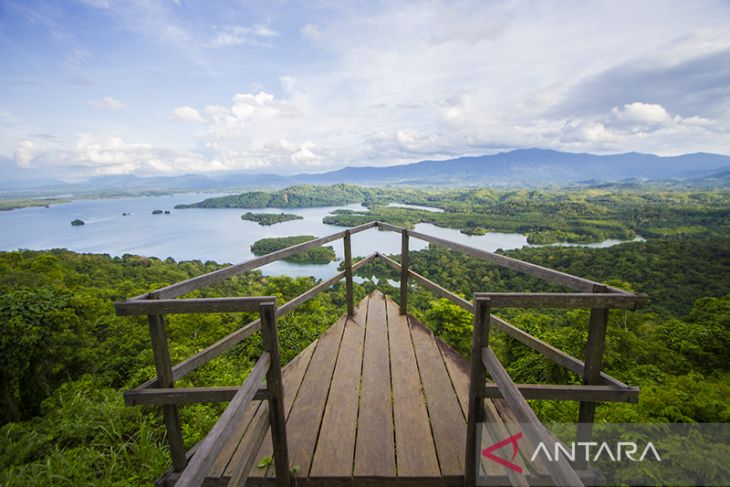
point(522, 167)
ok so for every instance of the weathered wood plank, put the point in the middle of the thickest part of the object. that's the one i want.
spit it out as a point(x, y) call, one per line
point(561, 471)
point(229, 341)
point(195, 305)
point(498, 431)
point(184, 287)
point(558, 356)
point(185, 395)
point(404, 272)
point(335, 451)
point(374, 451)
point(308, 409)
point(346, 243)
point(447, 422)
point(250, 444)
point(277, 419)
point(477, 375)
point(293, 373)
point(240, 428)
point(527, 447)
point(458, 369)
point(199, 465)
point(571, 392)
point(161, 354)
point(595, 345)
point(415, 450)
point(563, 300)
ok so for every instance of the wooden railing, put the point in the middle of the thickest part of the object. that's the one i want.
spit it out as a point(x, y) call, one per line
point(597, 386)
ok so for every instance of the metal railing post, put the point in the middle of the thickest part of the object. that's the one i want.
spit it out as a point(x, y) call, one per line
point(347, 241)
point(477, 378)
point(404, 272)
point(274, 384)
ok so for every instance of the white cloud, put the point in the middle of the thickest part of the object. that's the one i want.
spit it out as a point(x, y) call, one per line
point(187, 114)
point(94, 154)
point(393, 82)
point(647, 113)
point(108, 103)
point(238, 35)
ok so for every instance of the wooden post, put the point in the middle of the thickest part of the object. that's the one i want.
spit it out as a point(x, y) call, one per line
point(164, 377)
point(276, 395)
point(477, 378)
point(348, 274)
point(404, 272)
point(595, 347)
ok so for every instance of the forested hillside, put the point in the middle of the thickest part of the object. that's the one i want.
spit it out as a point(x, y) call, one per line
point(66, 358)
point(545, 216)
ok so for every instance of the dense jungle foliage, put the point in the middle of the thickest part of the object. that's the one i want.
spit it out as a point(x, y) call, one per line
point(66, 358)
point(545, 216)
point(317, 255)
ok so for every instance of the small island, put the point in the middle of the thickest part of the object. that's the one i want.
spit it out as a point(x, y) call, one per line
point(318, 255)
point(78, 223)
point(270, 218)
point(157, 212)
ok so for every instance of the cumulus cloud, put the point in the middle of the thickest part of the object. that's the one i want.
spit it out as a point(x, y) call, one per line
point(108, 103)
point(394, 82)
point(643, 113)
point(187, 114)
point(93, 154)
point(238, 35)
point(648, 127)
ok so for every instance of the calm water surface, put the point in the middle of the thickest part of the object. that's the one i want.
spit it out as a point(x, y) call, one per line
point(205, 234)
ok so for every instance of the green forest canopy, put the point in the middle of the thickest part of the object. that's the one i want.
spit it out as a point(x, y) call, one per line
point(317, 255)
point(73, 357)
point(545, 216)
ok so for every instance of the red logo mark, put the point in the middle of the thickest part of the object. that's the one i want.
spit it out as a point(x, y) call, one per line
point(487, 452)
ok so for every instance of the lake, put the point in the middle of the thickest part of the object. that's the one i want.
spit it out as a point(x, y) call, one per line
point(204, 234)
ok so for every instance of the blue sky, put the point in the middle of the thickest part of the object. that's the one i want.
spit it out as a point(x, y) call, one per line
point(96, 87)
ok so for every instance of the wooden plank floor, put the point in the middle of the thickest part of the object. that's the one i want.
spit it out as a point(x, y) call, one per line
point(377, 399)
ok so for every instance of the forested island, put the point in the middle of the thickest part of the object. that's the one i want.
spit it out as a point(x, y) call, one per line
point(545, 216)
point(317, 255)
point(15, 204)
point(270, 218)
point(302, 196)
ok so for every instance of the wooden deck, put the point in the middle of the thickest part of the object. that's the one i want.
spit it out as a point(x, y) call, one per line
point(377, 399)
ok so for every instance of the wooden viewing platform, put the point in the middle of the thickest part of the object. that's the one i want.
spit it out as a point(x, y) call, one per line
point(377, 399)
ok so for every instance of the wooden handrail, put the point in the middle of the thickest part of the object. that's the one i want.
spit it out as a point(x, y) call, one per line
point(560, 471)
point(229, 341)
point(545, 273)
point(563, 300)
point(571, 392)
point(197, 469)
point(556, 355)
point(184, 287)
point(598, 386)
point(185, 395)
point(187, 306)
